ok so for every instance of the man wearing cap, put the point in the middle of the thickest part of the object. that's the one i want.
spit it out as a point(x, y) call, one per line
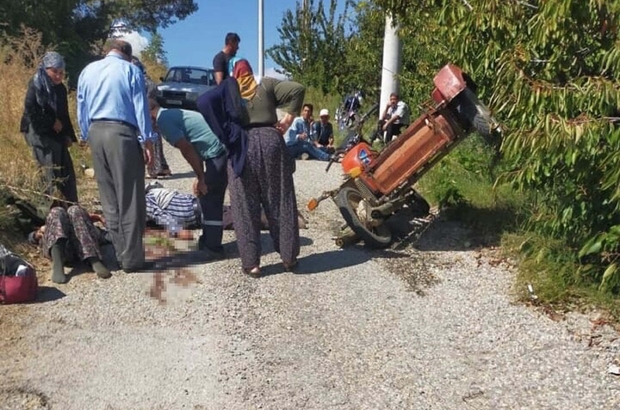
point(298, 137)
point(114, 118)
point(324, 132)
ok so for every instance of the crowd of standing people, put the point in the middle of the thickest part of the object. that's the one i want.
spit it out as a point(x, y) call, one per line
point(235, 141)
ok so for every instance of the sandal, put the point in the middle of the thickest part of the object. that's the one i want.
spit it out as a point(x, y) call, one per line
point(253, 272)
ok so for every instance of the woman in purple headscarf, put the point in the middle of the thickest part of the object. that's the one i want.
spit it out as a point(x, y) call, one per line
point(48, 129)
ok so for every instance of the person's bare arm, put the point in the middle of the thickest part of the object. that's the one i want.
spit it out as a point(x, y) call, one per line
point(285, 123)
point(393, 118)
point(384, 115)
point(192, 158)
point(148, 152)
point(219, 76)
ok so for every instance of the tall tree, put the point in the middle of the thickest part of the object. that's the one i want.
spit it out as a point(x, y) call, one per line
point(313, 43)
point(154, 57)
point(552, 70)
point(155, 50)
point(422, 55)
point(79, 28)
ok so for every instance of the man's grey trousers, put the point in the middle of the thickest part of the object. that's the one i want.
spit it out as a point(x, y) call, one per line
point(118, 162)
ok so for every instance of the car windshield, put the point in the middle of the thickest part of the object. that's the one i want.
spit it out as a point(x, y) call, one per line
point(190, 75)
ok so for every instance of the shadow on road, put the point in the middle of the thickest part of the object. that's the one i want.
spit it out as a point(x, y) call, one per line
point(461, 228)
point(180, 175)
point(332, 260)
point(48, 294)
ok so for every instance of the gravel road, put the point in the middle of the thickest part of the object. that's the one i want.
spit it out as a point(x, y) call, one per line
point(429, 326)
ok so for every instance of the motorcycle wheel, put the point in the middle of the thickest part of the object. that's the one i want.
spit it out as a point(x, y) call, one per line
point(418, 205)
point(475, 114)
point(351, 122)
point(349, 201)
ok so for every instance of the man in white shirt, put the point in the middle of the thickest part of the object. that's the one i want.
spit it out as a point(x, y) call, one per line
point(395, 117)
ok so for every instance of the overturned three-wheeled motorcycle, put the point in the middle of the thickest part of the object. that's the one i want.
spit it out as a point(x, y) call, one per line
point(377, 185)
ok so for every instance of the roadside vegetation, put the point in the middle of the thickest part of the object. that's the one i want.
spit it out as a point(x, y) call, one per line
point(550, 71)
point(19, 175)
point(18, 172)
point(548, 193)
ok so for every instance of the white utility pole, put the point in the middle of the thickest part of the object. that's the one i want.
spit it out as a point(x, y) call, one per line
point(391, 63)
point(261, 40)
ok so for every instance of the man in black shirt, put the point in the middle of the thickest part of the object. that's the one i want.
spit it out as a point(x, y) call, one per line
point(221, 59)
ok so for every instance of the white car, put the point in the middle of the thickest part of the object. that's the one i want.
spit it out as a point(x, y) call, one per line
point(182, 86)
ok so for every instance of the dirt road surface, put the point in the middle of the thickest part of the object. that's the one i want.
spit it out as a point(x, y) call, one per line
point(427, 325)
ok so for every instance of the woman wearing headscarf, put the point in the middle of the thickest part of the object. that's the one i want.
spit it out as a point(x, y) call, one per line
point(262, 173)
point(48, 128)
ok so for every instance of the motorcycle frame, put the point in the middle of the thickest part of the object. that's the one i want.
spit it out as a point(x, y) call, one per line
point(449, 82)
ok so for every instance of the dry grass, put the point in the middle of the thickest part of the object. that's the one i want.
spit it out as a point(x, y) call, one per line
point(19, 174)
point(154, 70)
point(17, 168)
point(18, 171)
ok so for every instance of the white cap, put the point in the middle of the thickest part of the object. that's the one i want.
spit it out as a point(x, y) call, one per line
point(324, 112)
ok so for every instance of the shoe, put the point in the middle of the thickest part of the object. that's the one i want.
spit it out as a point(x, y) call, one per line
point(211, 254)
point(253, 272)
point(305, 156)
point(290, 266)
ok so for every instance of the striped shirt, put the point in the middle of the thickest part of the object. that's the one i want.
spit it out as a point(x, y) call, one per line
point(174, 212)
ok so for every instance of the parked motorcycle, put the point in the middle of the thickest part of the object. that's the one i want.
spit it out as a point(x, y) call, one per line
point(347, 115)
point(377, 185)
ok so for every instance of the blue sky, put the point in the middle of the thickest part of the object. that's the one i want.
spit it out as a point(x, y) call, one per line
point(195, 40)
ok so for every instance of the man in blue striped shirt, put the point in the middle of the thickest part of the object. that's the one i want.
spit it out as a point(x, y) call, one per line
point(172, 210)
point(113, 116)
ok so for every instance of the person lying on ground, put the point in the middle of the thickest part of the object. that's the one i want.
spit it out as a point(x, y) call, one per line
point(70, 236)
point(173, 211)
point(179, 213)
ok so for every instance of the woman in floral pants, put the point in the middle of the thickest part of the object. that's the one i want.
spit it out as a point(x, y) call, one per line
point(70, 236)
